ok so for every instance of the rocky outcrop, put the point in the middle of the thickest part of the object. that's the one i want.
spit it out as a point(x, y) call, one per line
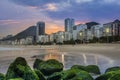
point(48, 67)
point(90, 68)
point(71, 74)
point(20, 69)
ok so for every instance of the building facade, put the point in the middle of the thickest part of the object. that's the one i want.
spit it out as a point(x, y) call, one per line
point(69, 23)
point(97, 31)
point(40, 29)
point(112, 28)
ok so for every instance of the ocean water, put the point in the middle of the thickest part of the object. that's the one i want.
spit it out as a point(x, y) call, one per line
point(8, 55)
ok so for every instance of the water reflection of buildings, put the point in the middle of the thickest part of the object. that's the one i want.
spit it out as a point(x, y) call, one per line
point(54, 54)
point(70, 59)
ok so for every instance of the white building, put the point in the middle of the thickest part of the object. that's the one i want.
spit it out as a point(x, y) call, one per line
point(29, 40)
point(60, 37)
point(43, 38)
point(84, 35)
point(67, 36)
point(76, 29)
point(112, 28)
point(97, 31)
point(51, 38)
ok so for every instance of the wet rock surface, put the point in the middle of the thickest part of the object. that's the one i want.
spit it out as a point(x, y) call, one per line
point(48, 67)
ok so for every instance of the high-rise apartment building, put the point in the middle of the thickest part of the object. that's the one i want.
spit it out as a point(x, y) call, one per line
point(69, 23)
point(41, 28)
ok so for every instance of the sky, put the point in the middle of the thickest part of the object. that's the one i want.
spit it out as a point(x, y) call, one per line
point(17, 15)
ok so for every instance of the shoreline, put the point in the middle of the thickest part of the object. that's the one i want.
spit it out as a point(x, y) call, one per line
point(111, 51)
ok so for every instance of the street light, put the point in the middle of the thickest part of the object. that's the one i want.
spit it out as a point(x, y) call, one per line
point(107, 32)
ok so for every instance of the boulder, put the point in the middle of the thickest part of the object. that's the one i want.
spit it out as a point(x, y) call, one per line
point(93, 69)
point(71, 74)
point(50, 66)
point(40, 75)
point(113, 75)
point(78, 67)
point(90, 68)
point(112, 69)
point(36, 63)
point(20, 69)
point(16, 79)
point(2, 77)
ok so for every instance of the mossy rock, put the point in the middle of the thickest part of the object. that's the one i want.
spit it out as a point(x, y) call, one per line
point(90, 68)
point(37, 61)
point(50, 66)
point(71, 74)
point(2, 77)
point(20, 69)
point(112, 69)
point(40, 75)
point(113, 75)
point(93, 69)
point(79, 67)
point(16, 79)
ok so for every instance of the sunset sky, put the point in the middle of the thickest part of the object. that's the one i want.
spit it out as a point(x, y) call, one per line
point(17, 15)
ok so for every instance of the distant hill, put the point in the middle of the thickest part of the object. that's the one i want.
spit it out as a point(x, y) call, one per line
point(90, 24)
point(31, 31)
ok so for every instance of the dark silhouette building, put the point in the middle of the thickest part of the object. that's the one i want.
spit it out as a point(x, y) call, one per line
point(40, 28)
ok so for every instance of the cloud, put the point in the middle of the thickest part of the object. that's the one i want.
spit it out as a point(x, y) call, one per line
point(51, 7)
point(47, 5)
point(53, 28)
point(82, 1)
point(7, 22)
point(15, 18)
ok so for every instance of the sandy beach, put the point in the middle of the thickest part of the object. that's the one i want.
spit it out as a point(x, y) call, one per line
point(103, 55)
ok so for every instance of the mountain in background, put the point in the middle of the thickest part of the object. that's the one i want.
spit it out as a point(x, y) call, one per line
point(31, 31)
point(90, 24)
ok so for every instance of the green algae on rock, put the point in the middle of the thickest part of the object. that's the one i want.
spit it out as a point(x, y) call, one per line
point(36, 63)
point(49, 67)
point(112, 75)
point(16, 79)
point(71, 74)
point(40, 74)
point(112, 69)
point(20, 69)
point(2, 77)
point(90, 68)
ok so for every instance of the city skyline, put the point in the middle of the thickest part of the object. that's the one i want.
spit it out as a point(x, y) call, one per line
point(17, 15)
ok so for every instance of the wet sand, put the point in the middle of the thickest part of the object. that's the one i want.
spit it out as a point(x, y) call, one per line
point(103, 55)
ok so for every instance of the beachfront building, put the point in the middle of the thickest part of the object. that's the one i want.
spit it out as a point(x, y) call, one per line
point(97, 31)
point(69, 23)
point(76, 30)
point(67, 36)
point(51, 38)
point(112, 28)
point(88, 34)
point(60, 37)
point(43, 38)
point(40, 30)
point(29, 40)
point(84, 35)
point(24, 41)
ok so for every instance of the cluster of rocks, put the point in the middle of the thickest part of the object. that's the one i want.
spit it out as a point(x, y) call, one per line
point(53, 70)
